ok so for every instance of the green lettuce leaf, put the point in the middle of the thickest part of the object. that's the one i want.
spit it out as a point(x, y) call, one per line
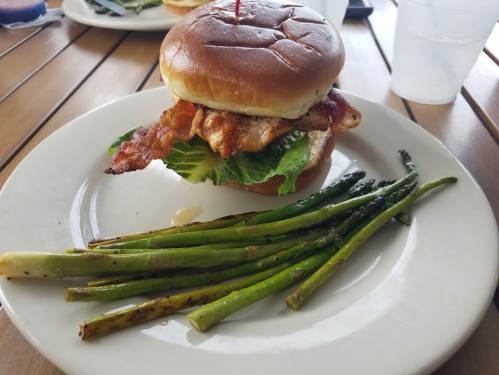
point(118, 141)
point(195, 161)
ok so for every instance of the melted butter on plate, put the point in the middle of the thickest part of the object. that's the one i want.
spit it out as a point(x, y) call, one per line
point(186, 215)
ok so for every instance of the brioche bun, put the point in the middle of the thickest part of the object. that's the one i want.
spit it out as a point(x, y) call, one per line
point(321, 147)
point(278, 59)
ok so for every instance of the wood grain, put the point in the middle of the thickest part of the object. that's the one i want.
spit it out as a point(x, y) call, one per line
point(365, 72)
point(478, 356)
point(154, 79)
point(119, 75)
point(492, 45)
point(34, 53)
point(12, 344)
point(54, 3)
point(10, 39)
point(48, 89)
point(481, 90)
point(461, 131)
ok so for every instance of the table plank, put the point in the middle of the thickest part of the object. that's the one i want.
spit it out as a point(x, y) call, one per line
point(460, 130)
point(10, 39)
point(365, 72)
point(154, 79)
point(34, 53)
point(49, 88)
point(12, 344)
point(382, 22)
point(492, 45)
point(481, 90)
point(364, 63)
point(54, 3)
point(119, 75)
point(479, 354)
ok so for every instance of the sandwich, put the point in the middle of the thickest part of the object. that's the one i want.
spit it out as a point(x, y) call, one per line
point(254, 106)
point(182, 7)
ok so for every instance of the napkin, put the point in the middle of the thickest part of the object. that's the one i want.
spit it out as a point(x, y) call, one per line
point(53, 14)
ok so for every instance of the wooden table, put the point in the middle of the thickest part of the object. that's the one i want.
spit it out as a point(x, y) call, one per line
point(50, 75)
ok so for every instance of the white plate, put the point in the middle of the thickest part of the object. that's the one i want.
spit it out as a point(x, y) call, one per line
point(402, 304)
point(152, 19)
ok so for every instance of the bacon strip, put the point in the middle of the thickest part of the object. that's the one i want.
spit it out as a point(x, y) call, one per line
point(226, 132)
point(147, 144)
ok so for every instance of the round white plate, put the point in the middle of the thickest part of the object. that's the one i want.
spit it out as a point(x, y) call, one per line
point(152, 19)
point(402, 304)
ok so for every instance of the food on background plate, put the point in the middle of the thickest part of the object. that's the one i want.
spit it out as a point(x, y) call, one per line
point(118, 8)
point(182, 7)
point(254, 105)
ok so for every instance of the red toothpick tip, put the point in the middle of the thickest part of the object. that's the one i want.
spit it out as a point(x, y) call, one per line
point(236, 10)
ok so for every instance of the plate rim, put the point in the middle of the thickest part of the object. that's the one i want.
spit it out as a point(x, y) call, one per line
point(163, 25)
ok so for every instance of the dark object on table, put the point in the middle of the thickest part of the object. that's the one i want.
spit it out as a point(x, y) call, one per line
point(358, 9)
point(12, 12)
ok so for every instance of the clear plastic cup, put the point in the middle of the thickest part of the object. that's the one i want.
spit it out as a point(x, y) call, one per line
point(437, 42)
point(333, 10)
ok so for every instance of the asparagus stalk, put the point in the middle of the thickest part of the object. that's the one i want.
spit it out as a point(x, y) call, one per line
point(131, 288)
point(404, 218)
point(361, 188)
point(207, 316)
point(92, 264)
point(250, 218)
point(119, 279)
point(222, 222)
point(302, 221)
point(314, 200)
point(383, 183)
point(208, 247)
point(163, 306)
point(266, 262)
point(300, 295)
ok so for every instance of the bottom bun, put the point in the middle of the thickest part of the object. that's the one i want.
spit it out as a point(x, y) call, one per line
point(321, 147)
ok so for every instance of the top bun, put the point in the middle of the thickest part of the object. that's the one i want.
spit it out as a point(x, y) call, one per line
point(278, 59)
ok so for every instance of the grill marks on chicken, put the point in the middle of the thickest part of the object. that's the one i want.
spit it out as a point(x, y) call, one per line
point(226, 132)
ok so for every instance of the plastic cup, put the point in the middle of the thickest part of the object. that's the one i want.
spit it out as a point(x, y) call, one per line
point(437, 42)
point(333, 10)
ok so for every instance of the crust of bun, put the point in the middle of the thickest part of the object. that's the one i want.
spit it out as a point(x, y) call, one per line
point(321, 147)
point(278, 59)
